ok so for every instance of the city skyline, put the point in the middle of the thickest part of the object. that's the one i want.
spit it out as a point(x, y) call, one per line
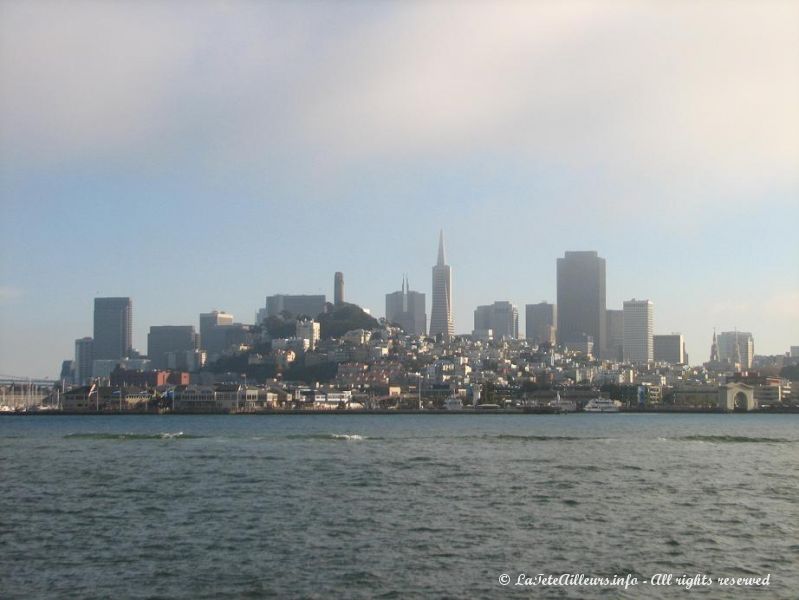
point(146, 182)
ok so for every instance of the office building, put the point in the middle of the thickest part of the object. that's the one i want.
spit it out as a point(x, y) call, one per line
point(221, 338)
point(540, 326)
point(406, 309)
point(614, 326)
point(164, 339)
point(296, 305)
point(210, 320)
point(581, 298)
point(669, 348)
point(338, 289)
point(736, 348)
point(502, 318)
point(638, 331)
point(113, 328)
point(84, 358)
point(441, 320)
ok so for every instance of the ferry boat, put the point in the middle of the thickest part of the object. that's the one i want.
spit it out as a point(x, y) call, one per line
point(602, 405)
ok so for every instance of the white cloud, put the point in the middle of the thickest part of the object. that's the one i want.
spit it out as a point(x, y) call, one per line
point(668, 94)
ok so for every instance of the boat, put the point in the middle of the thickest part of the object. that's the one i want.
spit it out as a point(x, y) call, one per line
point(562, 406)
point(602, 405)
point(453, 403)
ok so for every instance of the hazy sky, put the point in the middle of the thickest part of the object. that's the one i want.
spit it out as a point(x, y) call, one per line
point(199, 155)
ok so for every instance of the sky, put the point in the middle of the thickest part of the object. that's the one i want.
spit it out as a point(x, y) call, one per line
point(204, 155)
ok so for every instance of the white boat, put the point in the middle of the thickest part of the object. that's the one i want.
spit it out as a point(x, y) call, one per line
point(602, 405)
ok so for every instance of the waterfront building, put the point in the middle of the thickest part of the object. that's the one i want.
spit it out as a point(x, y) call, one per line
point(441, 320)
point(615, 330)
point(540, 325)
point(502, 318)
point(638, 331)
point(113, 328)
point(736, 348)
point(406, 309)
point(210, 320)
point(84, 358)
point(338, 289)
point(164, 339)
point(669, 348)
point(581, 298)
point(297, 305)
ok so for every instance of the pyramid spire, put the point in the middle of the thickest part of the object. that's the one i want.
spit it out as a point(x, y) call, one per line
point(441, 259)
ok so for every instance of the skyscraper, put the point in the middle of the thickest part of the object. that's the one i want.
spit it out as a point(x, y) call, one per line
point(210, 320)
point(84, 358)
point(615, 330)
point(113, 328)
point(541, 323)
point(164, 339)
point(407, 309)
point(502, 318)
point(581, 299)
point(338, 289)
point(638, 331)
point(441, 310)
point(669, 348)
point(736, 348)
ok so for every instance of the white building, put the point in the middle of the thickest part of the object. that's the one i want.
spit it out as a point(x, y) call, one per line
point(638, 344)
point(309, 330)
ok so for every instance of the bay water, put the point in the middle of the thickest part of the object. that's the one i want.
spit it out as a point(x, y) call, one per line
point(398, 506)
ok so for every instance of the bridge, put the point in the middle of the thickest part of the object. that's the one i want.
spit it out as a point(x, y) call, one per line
point(21, 380)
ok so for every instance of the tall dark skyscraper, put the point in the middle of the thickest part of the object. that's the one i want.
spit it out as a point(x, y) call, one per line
point(581, 299)
point(113, 328)
point(338, 289)
point(441, 311)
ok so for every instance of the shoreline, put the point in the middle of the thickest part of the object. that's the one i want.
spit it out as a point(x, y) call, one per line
point(306, 412)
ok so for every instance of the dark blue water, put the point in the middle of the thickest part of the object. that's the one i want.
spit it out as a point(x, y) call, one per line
point(405, 506)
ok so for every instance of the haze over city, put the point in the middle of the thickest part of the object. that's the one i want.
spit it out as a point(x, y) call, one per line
point(209, 157)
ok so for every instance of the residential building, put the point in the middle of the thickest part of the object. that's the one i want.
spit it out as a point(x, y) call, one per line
point(308, 329)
